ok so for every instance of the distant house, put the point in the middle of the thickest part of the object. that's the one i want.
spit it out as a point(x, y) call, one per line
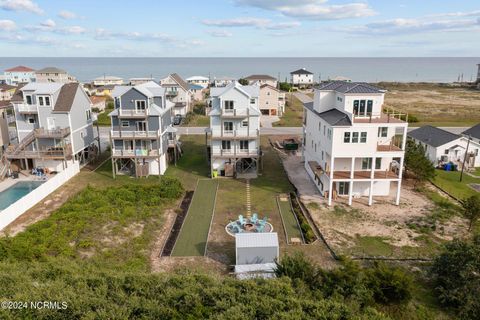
point(197, 92)
point(6, 91)
point(301, 78)
point(98, 102)
point(107, 80)
point(3, 79)
point(442, 146)
point(53, 74)
point(199, 80)
point(262, 79)
point(178, 92)
point(104, 91)
point(222, 81)
point(473, 133)
point(271, 101)
point(137, 81)
point(19, 74)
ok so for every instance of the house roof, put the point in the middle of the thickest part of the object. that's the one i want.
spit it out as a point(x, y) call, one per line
point(260, 77)
point(251, 91)
point(42, 87)
point(180, 81)
point(51, 70)
point(4, 104)
point(6, 87)
point(224, 79)
point(195, 87)
point(333, 117)
point(197, 78)
point(108, 78)
point(97, 99)
point(256, 240)
point(268, 86)
point(349, 87)
point(66, 97)
point(473, 131)
point(301, 71)
point(20, 69)
point(433, 136)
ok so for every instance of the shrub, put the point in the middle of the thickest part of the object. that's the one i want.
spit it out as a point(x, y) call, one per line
point(389, 285)
point(307, 231)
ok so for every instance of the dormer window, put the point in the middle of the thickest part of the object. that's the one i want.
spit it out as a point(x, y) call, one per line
point(40, 101)
point(228, 105)
point(47, 101)
point(140, 104)
point(28, 99)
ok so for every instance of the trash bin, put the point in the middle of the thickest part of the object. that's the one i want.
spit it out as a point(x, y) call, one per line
point(214, 173)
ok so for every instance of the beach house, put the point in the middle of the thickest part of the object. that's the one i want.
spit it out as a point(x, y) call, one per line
point(178, 92)
point(234, 133)
point(141, 136)
point(53, 74)
point(262, 79)
point(222, 81)
point(19, 74)
point(352, 147)
point(271, 101)
point(202, 81)
point(107, 80)
point(301, 78)
point(54, 126)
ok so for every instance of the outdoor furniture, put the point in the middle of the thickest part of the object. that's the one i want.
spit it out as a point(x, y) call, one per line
point(254, 218)
point(241, 219)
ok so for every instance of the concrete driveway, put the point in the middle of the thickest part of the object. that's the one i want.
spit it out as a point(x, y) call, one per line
point(294, 166)
point(267, 121)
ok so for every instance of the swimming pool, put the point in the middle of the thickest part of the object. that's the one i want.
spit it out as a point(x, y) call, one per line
point(17, 191)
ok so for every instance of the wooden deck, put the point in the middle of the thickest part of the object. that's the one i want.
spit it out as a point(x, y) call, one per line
point(388, 148)
point(363, 175)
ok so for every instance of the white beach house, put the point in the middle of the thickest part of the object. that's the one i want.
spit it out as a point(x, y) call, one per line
point(352, 148)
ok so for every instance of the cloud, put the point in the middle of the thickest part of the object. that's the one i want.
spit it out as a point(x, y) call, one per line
point(49, 23)
point(283, 25)
point(20, 5)
point(7, 25)
point(220, 33)
point(312, 9)
point(67, 15)
point(103, 34)
point(71, 30)
point(251, 22)
point(50, 26)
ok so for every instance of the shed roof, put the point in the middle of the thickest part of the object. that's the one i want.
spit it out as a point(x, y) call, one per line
point(473, 131)
point(256, 240)
point(433, 136)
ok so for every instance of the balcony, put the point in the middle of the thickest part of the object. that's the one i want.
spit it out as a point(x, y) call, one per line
point(135, 153)
point(235, 153)
point(235, 113)
point(119, 134)
point(27, 108)
point(54, 153)
point(171, 93)
point(364, 175)
point(236, 135)
point(394, 145)
point(387, 116)
point(133, 113)
point(55, 133)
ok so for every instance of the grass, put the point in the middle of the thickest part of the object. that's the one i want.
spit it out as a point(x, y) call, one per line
point(104, 119)
point(193, 236)
point(197, 120)
point(288, 217)
point(293, 115)
point(449, 181)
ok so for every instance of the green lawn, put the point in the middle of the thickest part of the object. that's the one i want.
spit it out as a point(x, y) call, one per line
point(449, 181)
point(293, 115)
point(197, 120)
point(193, 236)
point(289, 221)
point(104, 119)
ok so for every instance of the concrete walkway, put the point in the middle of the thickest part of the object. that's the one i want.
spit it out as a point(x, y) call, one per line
point(297, 174)
point(302, 97)
point(267, 121)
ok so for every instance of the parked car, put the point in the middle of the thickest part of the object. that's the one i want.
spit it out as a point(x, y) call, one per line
point(177, 119)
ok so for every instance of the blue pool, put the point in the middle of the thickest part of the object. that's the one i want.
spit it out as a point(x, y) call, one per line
point(17, 191)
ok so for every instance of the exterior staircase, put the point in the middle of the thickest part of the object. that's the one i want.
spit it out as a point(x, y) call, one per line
point(22, 145)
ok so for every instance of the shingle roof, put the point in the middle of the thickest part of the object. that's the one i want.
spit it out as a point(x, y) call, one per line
point(333, 117)
point(433, 136)
point(301, 71)
point(180, 81)
point(260, 77)
point(20, 69)
point(65, 97)
point(349, 87)
point(51, 70)
point(473, 131)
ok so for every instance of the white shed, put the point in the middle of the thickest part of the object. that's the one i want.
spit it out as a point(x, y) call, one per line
point(256, 248)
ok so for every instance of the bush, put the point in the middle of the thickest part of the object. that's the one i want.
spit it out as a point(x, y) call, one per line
point(307, 231)
point(389, 285)
point(285, 86)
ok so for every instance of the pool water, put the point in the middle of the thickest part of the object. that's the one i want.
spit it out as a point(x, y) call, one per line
point(17, 191)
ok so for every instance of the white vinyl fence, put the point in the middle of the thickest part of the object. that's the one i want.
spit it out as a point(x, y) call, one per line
point(19, 207)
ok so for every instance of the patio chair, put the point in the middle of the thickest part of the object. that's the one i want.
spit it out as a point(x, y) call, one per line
point(241, 219)
point(254, 218)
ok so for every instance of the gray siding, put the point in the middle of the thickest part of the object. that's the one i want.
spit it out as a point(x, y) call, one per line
point(129, 97)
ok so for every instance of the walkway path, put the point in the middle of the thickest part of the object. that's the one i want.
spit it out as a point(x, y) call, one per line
point(249, 203)
point(302, 97)
point(267, 121)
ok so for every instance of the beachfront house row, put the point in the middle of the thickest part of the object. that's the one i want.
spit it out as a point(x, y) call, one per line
point(301, 78)
point(262, 79)
point(234, 133)
point(53, 74)
point(222, 81)
point(443, 147)
point(19, 74)
point(271, 101)
point(178, 92)
point(352, 148)
point(54, 126)
point(202, 81)
point(141, 136)
point(107, 80)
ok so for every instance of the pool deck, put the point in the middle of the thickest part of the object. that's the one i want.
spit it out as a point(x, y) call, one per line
point(24, 176)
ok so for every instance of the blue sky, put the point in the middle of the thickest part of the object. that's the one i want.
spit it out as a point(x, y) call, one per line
point(240, 28)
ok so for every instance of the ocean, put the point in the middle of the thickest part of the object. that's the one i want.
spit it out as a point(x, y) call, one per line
point(357, 69)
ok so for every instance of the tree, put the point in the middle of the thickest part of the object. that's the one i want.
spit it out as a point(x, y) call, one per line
point(456, 272)
point(285, 86)
point(417, 162)
point(471, 209)
point(243, 82)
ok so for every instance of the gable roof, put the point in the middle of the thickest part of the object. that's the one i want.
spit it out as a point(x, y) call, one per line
point(51, 70)
point(66, 97)
point(6, 87)
point(333, 117)
point(301, 71)
point(179, 81)
point(260, 77)
point(20, 69)
point(349, 87)
point(97, 99)
point(473, 131)
point(268, 86)
point(433, 136)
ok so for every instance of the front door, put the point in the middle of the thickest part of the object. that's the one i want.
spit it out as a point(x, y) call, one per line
point(50, 123)
point(343, 188)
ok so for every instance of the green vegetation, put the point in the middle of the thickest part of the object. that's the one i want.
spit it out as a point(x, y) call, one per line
point(293, 115)
point(417, 163)
point(450, 182)
point(471, 209)
point(288, 217)
point(285, 86)
point(197, 117)
point(104, 119)
point(192, 239)
point(307, 231)
point(456, 273)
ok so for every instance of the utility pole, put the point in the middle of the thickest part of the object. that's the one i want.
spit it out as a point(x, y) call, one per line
point(465, 158)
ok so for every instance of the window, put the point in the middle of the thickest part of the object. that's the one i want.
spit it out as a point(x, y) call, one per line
point(346, 137)
point(382, 132)
point(362, 107)
point(31, 120)
point(363, 137)
point(378, 163)
point(329, 133)
point(125, 124)
point(476, 152)
point(228, 126)
point(366, 163)
point(339, 99)
point(322, 154)
point(47, 101)
point(446, 151)
point(324, 129)
point(354, 137)
point(268, 93)
point(369, 107)
point(355, 107)
point(29, 99)
point(40, 101)
point(226, 145)
point(140, 104)
point(243, 144)
point(245, 123)
point(319, 126)
point(252, 101)
point(315, 147)
point(361, 111)
point(89, 115)
point(228, 105)
point(343, 188)
point(312, 144)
